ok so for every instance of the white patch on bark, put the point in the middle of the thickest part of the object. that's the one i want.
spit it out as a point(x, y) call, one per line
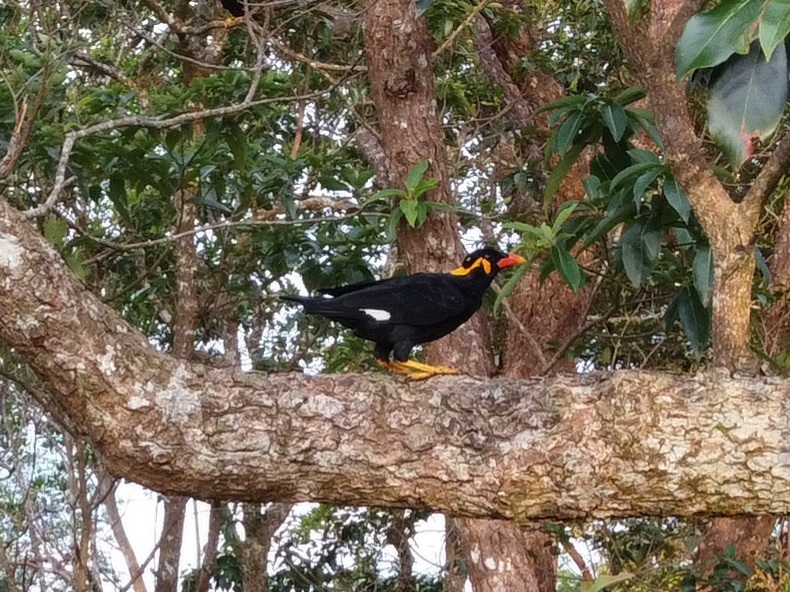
point(136, 402)
point(27, 323)
point(177, 401)
point(324, 406)
point(10, 252)
point(490, 563)
point(474, 554)
point(107, 361)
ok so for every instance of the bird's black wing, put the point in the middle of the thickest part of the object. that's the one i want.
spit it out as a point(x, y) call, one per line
point(340, 290)
point(420, 299)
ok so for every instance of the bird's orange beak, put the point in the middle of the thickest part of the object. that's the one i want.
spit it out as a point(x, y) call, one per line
point(511, 260)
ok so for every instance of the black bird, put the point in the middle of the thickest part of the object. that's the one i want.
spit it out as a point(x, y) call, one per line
point(399, 313)
point(234, 7)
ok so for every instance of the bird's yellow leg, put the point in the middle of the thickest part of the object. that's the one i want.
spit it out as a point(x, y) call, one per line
point(428, 369)
point(394, 367)
point(231, 21)
point(416, 370)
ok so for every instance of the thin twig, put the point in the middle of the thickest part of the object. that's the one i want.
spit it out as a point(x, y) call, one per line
point(298, 57)
point(513, 318)
point(586, 327)
point(16, 144)
point(218, 226)
point(578, 560)
point(467, 21)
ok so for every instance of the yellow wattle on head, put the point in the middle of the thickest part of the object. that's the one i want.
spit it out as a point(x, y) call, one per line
point(479, 262)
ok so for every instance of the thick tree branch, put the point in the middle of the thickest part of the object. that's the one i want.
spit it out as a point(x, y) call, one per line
point(770, 175)
point(628, 443)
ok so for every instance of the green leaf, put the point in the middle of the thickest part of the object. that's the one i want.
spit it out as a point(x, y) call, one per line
point(385, 194)
point(677, 198)
point(415, 174)
point(641, 245)
point(612, 219)
point(423, 5)
point(642, 183)
point(392, 224)
point(702, 273)
point(712, 37)
point(237, 142)
point(567, 132)
point(423, 186)
point(747, 101)
point(633, 172)
point(762, 265)
point(75, 262)
point(639, 118)
point(441, 206)
point(629, 95)
point(615, 119)
point(332, 184)
point(560, 172)
point(55, 230)
point(209, 200)
point(672, 313)
point(523, 227)
point(604, 581)
point(116, 191)
point(563, 214)
point(592, 186)
point(510, 284)
point(774, 25)
point(643, 156)
point(410, 210)
point(695, 319)
point(570, 101)
point(567, 267)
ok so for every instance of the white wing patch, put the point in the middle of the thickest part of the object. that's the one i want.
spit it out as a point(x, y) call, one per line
point(377, 314)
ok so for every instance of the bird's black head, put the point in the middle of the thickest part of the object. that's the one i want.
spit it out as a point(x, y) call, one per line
point(489, 261)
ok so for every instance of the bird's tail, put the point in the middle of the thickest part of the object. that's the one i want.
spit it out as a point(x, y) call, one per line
point(298, 299)
point(312, 304)
point(324, 306)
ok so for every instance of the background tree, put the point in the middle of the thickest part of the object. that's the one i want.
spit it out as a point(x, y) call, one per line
point(188, 168)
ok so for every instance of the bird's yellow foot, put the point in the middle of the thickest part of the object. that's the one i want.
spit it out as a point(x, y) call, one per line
point(232, 21)
point(416, 370)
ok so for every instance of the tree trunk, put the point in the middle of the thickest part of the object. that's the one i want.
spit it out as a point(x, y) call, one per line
point(119, 533)
point(216, 518)
point(166, 573)
point(253, 552)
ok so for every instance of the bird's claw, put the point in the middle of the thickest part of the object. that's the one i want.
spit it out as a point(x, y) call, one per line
point(414, 370)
